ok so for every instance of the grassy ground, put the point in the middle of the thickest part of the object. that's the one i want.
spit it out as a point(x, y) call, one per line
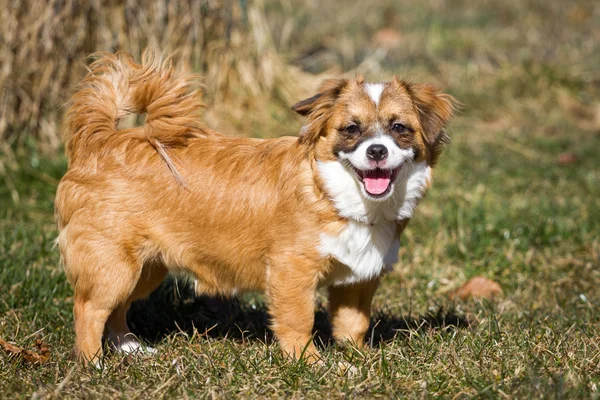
point(507, 203)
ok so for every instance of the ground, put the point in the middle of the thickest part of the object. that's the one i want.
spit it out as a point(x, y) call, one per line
point(516, 199)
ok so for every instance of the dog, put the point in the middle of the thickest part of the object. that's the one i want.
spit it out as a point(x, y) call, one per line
point(285, 216)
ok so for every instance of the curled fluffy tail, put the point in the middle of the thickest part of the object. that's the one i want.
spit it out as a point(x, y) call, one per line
point(116, 86)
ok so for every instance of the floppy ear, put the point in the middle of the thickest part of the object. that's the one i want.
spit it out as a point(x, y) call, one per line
point(434, 109)
point(304, 107)
point(329, 90)
point(317, 107)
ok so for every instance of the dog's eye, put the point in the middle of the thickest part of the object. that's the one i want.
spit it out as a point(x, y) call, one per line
point(399, 128)
point(352, 129)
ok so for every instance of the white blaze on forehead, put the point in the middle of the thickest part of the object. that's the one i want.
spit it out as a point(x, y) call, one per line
point(374, 91)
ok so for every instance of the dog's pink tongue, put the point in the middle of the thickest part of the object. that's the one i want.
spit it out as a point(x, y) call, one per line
point(377, 181)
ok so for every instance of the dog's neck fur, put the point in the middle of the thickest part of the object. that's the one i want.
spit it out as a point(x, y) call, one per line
point(369, 242)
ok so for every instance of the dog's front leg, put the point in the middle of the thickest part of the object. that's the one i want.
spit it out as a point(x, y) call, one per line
point(292, 285)
point(350, 311)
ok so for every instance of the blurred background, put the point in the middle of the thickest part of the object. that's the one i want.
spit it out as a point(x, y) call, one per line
point(515, 197)
point(508, 61)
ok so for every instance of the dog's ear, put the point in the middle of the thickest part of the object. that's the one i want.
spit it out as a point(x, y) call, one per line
point(328, 91)
point(304, 107)
point(318, 106)
point(434, 110)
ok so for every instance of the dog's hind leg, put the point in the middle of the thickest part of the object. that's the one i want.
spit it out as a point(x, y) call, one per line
point(102, 281)
point(118, 332)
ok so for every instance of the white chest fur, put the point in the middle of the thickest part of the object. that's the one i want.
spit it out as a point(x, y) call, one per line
point(369, 242)
point(363, 251)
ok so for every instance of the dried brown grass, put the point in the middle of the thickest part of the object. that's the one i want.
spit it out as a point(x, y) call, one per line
point(43, 44)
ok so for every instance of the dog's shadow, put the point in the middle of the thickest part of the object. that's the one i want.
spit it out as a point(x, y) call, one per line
point(175, 308)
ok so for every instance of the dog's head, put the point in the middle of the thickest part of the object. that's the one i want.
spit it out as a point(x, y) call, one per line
point(374, 129)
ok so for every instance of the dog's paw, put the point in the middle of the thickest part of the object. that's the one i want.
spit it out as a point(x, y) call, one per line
point(128, 344)
point(97, 364)
point(346, 368)
point(339, 367)
point(135, 347)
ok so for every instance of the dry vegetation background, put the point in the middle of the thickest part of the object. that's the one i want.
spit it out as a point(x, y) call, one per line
point(44, 45)
point(516, 195)
point(251, 53)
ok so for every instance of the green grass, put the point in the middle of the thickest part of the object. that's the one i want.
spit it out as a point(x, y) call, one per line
point(501, 206)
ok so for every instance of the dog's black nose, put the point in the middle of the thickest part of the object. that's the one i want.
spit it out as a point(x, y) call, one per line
point(377, 152)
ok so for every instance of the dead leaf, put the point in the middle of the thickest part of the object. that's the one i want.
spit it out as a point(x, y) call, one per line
point(566, 159)
point(579, 14)
point(34, 357)
point(478, 288)
point(10, 348)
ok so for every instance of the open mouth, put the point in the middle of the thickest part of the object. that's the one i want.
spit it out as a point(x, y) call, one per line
point(377, 182)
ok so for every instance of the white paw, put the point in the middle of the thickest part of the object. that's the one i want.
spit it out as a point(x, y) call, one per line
point(345, 368)
point(128, 344)
point(134, 347)
point(97, 364)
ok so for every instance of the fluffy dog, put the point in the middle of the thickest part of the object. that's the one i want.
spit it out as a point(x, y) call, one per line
point(284, 216)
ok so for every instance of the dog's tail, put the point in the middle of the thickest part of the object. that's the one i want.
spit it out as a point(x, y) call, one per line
point(117, 86)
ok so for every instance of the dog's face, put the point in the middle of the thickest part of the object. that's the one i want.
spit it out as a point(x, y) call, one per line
point(374, 130)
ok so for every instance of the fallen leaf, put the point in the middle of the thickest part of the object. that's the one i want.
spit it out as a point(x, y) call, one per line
point(478, 288)
point(566, 159)
point(10, 348)
point(579, 14)
point(39, 357)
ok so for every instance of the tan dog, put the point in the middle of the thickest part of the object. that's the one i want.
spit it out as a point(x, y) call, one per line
point(285, 216)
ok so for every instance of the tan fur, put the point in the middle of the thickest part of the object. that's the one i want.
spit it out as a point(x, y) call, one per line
point(237, 213)
point(350, 311)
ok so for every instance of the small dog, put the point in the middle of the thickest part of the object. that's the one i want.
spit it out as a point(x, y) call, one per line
point(284, 216)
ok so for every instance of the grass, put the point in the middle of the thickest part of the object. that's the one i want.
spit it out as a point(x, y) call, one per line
point(501, 206)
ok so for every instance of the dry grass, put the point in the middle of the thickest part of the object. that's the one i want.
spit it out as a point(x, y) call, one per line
point(516, 199)
point(44, 45)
